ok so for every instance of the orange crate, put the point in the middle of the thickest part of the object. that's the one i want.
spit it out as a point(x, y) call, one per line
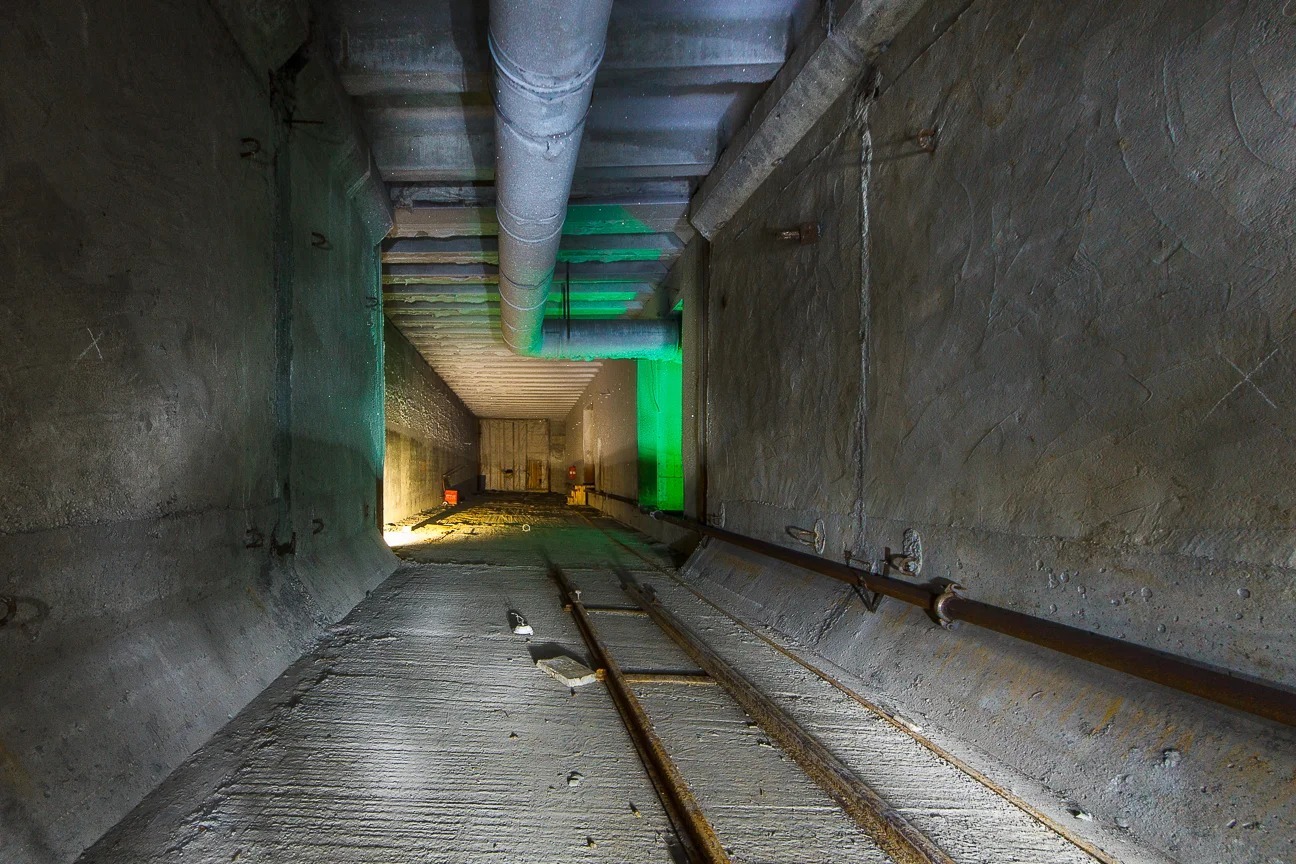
point(452, 497)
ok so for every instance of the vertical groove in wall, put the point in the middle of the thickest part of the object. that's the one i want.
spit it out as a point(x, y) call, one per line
point(857, 532)
point(704, 408)
point(373, 302)
point(283, 297)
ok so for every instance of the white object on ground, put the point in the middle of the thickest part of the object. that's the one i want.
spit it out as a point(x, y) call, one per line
point(519, 625)
point(572, 673)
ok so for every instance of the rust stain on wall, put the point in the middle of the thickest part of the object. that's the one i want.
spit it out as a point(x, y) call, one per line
point(14, 772)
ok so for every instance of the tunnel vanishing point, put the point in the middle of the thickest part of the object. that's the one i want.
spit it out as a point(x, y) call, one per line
point(647, 431)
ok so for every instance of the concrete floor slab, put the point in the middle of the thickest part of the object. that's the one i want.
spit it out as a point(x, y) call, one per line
point(420, 730)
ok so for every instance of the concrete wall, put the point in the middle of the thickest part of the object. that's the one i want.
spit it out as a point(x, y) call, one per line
point(430, 433)
point(613, 396)
point(514, 455)
point(613, 430)
point(1057, 349)
point(615, 435)
point(190, 390)
point(687, 283)
point(558, 481)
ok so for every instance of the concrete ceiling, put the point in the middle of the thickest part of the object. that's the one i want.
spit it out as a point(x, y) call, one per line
point(677, 81)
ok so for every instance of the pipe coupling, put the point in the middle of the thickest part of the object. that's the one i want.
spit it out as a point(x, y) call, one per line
point(938, 610)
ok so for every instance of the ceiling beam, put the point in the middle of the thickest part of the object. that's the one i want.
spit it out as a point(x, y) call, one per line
point(612, 217)
point(579, 293)
point(830, 59)
point(419, 47)
point(602, 248)
point(452, 193)
point(488, 274)
point(408, 149)
point(417, 312)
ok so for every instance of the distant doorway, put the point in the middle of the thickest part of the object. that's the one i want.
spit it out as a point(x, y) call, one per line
point(515, 455)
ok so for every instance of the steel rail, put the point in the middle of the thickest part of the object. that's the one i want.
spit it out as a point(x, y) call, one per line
point(687, 679)
point(945, 605)
point(694, 830)
point(891, 831)
point(894, 720)
point(632, 611)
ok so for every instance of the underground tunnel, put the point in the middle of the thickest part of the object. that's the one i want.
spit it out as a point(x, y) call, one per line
point(647, 431)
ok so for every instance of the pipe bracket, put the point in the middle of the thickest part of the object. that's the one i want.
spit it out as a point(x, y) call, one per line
point(815, 538)
point(938, 612)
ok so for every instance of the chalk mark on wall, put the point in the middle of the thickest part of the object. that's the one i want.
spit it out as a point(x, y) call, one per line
point(94, 344)
point(1246, 379)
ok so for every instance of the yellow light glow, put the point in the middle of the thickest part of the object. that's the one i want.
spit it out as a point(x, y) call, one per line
point(400, 537)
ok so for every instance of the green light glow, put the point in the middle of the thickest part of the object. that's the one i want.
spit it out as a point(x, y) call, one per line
point(604, 219)
point(660, 399)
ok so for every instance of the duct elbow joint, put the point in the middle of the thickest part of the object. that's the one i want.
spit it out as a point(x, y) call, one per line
point(617, 339)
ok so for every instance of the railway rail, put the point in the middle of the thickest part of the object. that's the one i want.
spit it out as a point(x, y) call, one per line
point(698, 840)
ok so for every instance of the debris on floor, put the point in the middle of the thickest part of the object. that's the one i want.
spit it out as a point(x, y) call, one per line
point(519, 625)
point(571, 673)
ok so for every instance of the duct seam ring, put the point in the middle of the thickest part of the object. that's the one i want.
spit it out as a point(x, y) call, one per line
point(524, 308)
point(505, 66)
point(545, 239)
point(541, 139)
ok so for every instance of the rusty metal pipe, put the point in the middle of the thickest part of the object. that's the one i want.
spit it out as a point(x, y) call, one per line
point(943, 602)
point(918, 595)
point(1254, 696)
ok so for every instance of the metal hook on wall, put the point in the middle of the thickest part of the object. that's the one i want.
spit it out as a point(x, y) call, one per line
point(814, 537)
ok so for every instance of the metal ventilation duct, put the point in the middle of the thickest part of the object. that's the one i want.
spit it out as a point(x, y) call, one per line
point(545, 54)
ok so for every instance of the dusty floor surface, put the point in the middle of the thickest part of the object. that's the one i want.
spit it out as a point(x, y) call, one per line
point(419, 730)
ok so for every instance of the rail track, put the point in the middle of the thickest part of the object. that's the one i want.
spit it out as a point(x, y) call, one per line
point(890, 831)
point(697, 839)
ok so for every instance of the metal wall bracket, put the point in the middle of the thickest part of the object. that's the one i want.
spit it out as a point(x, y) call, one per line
point(871, 599)
point(804, 234)
point(909, 560)
point(816, 537)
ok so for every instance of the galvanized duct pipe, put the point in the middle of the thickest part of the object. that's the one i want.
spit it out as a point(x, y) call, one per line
point(545, 54)
point(657, 338)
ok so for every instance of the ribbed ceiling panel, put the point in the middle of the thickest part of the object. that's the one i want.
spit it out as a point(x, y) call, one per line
point(677, 80)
